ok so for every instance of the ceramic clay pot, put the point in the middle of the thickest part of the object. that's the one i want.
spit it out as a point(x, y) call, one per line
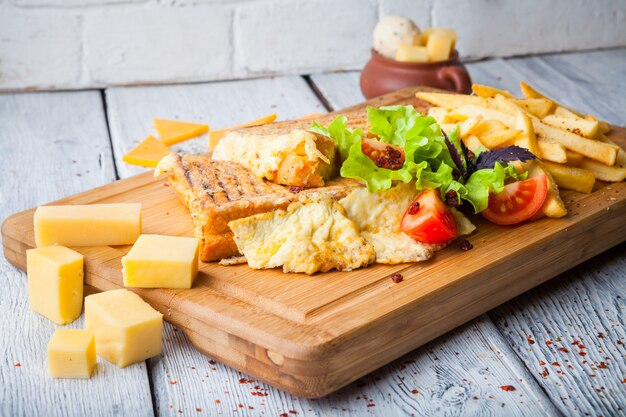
point(382, 75)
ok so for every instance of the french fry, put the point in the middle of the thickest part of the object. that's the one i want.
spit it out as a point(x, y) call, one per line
point(574, 158)
point(524, 124)
point(466, 127)
point(487, 91)
point(550, 151)
point(439, 114)
point(473, 144)
point(603, 172)
point(596, 150)
point(582, 127)
point(604, 126)
point(311, 116)
point(472, 110)
point(571, 178)
point(620, 161)
point(493, 133)
point(450, 101)
point(216, 135)
point(538, 107)
point(563, 112)
point(553, 206)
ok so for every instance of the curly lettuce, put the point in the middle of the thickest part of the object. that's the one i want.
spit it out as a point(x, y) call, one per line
point(432, 160)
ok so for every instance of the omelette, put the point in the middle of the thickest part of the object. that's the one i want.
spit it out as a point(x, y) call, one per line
point(313, 234)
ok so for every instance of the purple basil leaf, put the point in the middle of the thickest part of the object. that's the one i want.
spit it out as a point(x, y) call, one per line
point(488, 159)
point(456, 157)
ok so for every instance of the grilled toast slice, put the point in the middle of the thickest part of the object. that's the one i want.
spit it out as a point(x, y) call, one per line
point(217, 192)
point(286, 152)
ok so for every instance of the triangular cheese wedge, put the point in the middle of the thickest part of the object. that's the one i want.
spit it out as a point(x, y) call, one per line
point(174, 131)
point(147, 153)
point(216, 135)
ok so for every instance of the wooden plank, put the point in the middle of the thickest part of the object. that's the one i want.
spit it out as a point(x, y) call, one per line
point(53, 144)
point(222, 104)
point(365, 326)
point(131, 110)
point(342, 90)
point(585, 303)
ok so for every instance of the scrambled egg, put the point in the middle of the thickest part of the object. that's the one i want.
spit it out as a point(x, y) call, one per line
point(313, 234)
point(378, 217)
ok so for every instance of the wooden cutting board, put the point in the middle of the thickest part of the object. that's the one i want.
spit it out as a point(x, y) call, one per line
point(313, 335)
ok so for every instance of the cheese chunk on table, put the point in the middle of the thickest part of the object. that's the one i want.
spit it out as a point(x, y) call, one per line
point(71, 354)
point(161, 262)
point(88, 225)
point(55, 283)
point(127, 329)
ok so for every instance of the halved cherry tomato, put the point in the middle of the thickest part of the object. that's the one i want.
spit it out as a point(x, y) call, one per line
point(383, 154)
point(518, 201)
point(429, 220)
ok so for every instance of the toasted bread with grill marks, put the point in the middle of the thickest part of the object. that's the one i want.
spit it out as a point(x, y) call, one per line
point(217, 192)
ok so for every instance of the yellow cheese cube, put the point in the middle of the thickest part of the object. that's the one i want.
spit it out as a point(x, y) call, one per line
point(127, 329)
point(410, 53)
point(439, 46)
point(161, 262)
point(88, 225)
point(71, 354)
point(447, 32)
point(147, 153)
point(55, 282)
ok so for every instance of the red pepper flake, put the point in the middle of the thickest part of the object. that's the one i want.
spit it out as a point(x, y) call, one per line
point(602, 365)
point(245, 381)
point(530, 340)
point(556, 364)
point(415, 391)
point(17, 365)
point(564, 349)
point(240, 405)
point(295, 189)
point(293, 412)
point(250, 407)
point(217, 401)
point(581, 353)
point(165, 184)
point(600, 336)
point(545, 373)
point(283, 415)
point(397, 278)
point(542, 363)
point(507, 388)
point(371, 405)
point(414, 207)
point(548, 342)
point(173, 382)
point(624, 381)
point(198, 409)
point(212, 362)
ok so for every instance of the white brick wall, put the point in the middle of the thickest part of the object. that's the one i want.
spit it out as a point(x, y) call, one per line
point(61, 44)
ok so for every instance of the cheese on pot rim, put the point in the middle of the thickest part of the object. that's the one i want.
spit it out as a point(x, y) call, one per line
point(71, 354)
point(127, 329)
point(55, 283)
point(87, 225)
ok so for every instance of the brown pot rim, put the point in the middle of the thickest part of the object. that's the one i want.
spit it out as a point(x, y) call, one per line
point(415, 65)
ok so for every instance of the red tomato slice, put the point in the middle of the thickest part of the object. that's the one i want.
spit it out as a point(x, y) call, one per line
point(429, 220)
point(518, 201)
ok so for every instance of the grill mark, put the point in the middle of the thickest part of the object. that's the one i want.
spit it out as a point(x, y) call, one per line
point(222, 196)
point(186, 170)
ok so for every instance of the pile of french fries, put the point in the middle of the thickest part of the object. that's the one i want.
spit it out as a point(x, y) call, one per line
point(573, 150)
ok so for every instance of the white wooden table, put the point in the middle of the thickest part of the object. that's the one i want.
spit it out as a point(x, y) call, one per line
point(561, 346)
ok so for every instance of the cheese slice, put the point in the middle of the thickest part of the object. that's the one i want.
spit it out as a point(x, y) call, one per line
point(161, 262)
point(55, 283)
point(174, 131)
point(71, 353)
point(127, 329)
point(216, 135)
point(147, 153)
point(88, 225)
